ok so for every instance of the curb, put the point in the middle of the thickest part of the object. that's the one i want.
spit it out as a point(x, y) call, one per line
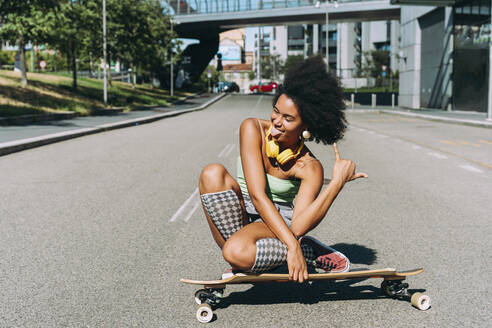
point(440, 119)
point(28, 143)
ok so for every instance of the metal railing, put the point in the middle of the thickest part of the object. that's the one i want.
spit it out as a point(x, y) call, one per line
point(191, 7)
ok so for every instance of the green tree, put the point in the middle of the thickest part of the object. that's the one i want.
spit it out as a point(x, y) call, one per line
point(162, 42)
point(139, 35)
point(26, 21)
point(91, 50)
point(374, 62)
point(66, 34)
point(271, 67)
point(202, 83)
point(291, 61)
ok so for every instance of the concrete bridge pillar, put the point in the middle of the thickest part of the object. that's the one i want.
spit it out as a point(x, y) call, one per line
point(315, 38)
point(200, 55)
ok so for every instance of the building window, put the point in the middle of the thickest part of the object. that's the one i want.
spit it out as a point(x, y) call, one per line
point(470, 57)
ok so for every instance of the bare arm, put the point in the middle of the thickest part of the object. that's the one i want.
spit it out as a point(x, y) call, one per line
point(310, 206)
point(254, 174)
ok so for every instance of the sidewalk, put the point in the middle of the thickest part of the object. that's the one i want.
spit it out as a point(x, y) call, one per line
point(454, 117)
point(20, 137)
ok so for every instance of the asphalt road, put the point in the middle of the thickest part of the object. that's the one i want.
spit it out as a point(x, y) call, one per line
point(96, 231)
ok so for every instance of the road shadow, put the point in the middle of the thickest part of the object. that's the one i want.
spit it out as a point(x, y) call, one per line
point(306, 293)
point(315, 291)
point(357, 254)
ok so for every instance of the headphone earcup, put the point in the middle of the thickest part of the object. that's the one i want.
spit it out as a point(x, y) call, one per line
point(271, 148)
point(285, 156)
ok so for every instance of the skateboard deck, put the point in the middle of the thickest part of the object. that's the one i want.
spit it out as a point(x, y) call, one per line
point(392, 286)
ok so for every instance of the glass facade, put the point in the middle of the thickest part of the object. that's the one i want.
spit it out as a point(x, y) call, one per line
point(471, 55)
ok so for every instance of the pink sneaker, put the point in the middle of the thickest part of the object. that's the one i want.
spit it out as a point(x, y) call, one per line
point(325, 257)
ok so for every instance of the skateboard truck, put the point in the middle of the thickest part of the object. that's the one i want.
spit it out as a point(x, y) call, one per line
point(207, 298)
point(399, 290)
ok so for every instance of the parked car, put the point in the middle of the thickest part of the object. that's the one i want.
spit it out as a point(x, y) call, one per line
point(227, 87)
point(264, 87)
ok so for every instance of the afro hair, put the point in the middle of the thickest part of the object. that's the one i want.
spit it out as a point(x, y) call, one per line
point(318, 94)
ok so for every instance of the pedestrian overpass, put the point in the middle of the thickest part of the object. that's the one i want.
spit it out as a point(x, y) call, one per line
point(205, 19)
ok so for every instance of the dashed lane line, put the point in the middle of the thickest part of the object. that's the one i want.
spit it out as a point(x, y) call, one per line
point(416, 143)
point(194, 200)
point(437, 155)
point(231, 148)
point(471, 168)
point(183, 207)
point(224, 150)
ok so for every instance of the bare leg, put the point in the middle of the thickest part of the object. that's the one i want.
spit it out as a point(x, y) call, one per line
point(244, 246)
point(215, 178)
point(240, 249)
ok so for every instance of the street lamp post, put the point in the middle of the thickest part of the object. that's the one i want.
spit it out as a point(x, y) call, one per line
point(489, 110)
point(259, 54)
point(172, 64)
point(327, 21)
point(105, 76)
point(327, 40)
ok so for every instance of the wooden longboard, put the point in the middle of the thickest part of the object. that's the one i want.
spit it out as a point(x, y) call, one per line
point(392, 285)
point(243, 278)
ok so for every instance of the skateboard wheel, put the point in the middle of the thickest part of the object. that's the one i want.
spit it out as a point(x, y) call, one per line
point(420, 301)
point(201, 293)
point(204, 313)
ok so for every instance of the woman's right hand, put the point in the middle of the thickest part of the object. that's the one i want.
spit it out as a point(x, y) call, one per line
point(344, 169)
point(297, 264)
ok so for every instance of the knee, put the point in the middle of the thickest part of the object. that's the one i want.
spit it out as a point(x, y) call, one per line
point(239, 254)
point(212, 176)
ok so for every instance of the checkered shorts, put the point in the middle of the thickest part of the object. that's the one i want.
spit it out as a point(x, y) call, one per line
point(225, 211)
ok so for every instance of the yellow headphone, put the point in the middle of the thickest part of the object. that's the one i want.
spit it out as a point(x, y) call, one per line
point(272, 149)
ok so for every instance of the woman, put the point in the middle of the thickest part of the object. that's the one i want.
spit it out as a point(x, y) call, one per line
point(253, 219)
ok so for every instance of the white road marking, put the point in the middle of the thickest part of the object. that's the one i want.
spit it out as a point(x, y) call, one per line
point(416, 147)
point(437, 155)
point(192, 211)
point(231, 148)
point(182, 208)
point(471, 168)
point(224, 150)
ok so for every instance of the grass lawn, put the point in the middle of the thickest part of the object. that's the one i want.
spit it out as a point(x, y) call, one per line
point(48, 93)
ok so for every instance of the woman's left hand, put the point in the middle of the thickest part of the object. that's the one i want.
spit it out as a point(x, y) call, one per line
point(344, 169)
point(296, 264)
